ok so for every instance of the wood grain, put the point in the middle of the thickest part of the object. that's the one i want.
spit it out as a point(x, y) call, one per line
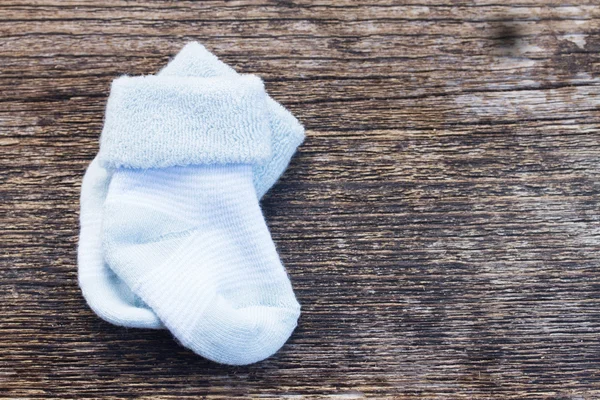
point(441, 223)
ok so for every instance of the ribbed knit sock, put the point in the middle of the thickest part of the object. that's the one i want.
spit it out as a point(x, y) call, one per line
point(192, 243)
point(104, 291)
point(182, 226)
point(106, 294)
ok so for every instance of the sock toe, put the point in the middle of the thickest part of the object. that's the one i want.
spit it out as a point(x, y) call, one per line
point(241, 336)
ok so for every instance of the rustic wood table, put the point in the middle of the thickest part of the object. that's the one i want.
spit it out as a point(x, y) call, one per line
point(441, 223)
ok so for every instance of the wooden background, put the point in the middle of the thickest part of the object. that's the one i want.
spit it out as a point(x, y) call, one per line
point(441, 223)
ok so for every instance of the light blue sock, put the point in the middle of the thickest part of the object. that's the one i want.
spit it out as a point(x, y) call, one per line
point(182, 226)
point(104, 291)
point(106, 294)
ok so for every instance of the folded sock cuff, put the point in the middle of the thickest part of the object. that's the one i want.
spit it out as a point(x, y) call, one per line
point(156, 122)
point(195, 60)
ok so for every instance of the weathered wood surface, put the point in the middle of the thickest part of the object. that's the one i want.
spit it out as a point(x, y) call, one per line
point(441, 223)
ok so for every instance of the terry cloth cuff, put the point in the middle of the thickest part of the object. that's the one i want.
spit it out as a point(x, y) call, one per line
point(195, 60)
point(156, 122)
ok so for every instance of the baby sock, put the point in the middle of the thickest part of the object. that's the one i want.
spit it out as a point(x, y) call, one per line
point(107, 295)
point(182, 226)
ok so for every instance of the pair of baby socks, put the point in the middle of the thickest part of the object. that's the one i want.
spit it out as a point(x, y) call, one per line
point(172, 235)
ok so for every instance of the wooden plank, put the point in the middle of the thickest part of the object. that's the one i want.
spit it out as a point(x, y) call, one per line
point(440, 225)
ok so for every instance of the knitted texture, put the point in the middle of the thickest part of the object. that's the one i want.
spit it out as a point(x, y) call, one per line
point(103, 290)
point(154, 122)
point(192, 243)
